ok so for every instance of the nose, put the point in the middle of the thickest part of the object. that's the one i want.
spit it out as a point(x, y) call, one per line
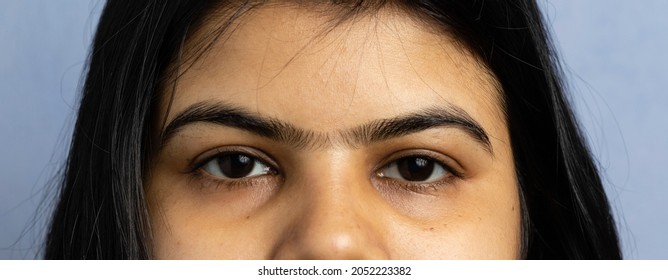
point(333, 221)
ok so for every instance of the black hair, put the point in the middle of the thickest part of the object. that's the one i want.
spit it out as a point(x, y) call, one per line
point(102, 212)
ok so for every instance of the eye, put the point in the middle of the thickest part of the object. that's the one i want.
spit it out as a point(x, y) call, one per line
point(235, 166)
point(415, 169)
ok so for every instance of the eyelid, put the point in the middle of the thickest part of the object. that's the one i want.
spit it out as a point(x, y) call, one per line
point(449, 164)
point(455, 170)
point(202, 159)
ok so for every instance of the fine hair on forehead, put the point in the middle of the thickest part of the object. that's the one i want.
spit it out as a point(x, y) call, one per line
point(221, 19)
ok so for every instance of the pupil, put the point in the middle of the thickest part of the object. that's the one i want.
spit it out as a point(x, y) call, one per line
point(415, 168)
point(236, 165)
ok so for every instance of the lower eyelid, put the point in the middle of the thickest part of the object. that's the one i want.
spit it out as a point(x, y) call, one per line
point(388, 184)
point(207, 181)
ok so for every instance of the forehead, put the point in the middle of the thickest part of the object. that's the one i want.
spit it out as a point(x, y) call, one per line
point(297, 65)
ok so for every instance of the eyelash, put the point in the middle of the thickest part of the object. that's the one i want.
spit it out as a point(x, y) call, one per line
point(209, 180)
point(453, 174)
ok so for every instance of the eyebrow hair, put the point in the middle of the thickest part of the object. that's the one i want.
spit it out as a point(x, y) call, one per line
point(374, 131)
point(432, 117)
point(227, 115)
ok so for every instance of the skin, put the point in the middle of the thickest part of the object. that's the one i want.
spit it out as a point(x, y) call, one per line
point(333, 196)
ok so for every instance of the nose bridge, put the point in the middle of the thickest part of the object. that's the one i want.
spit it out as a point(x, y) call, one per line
point(333, 218)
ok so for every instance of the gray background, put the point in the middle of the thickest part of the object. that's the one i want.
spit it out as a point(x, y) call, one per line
point(615, 62)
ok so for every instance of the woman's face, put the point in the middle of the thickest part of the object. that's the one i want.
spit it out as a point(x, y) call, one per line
point(379, 139)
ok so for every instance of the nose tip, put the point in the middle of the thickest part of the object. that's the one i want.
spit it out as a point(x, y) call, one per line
point(327, 232)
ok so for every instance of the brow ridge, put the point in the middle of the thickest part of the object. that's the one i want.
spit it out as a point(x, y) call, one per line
point(365, 134)
point(228, 115)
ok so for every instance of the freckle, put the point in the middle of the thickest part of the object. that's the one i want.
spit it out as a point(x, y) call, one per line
point(247, 217)
point(431, 229)
point(479, 219)
point(513, 208)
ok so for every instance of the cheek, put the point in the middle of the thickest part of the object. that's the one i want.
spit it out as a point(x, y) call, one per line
point(477, 220)
point(481, 221)
point(189, 222)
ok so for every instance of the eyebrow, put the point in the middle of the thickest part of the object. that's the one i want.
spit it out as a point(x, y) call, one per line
point(280, 131)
